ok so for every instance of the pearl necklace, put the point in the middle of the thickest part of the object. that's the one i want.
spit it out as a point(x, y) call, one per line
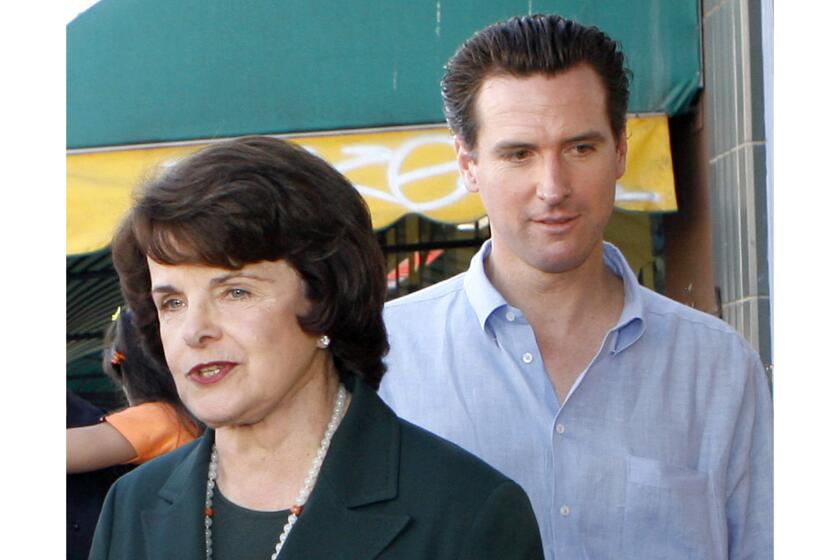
point(303, 495)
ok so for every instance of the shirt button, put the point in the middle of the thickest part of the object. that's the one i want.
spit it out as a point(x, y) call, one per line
point(510, 316)
point(565, 511)
point(560, 428)
point(527, 357)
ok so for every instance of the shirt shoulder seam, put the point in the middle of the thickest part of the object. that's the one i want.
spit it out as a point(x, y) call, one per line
point(716, 325)
point(433, 294)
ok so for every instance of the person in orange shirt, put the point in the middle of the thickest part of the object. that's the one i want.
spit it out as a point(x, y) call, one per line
point(154, 423)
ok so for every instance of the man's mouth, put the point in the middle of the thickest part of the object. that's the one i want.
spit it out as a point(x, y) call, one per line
point(554, 219)
point(557, 221)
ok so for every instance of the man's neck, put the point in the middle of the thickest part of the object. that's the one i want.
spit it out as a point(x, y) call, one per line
point(570, 312)
point(585, 293)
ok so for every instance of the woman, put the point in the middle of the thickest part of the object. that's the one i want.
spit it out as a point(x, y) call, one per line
point(154, 423)
point(253, 271)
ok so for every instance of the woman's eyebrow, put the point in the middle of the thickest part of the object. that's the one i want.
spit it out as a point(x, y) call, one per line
point(168, 289)
point(234, 275)
point(163, 289)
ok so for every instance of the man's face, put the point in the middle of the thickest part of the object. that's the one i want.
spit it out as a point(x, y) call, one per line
point(545, 164)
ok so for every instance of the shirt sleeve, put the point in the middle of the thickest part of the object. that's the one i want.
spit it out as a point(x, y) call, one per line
point(152, 429)
point(749, 485)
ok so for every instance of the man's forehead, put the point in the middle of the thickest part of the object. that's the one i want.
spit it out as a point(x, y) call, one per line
point(572, 100)
point(578, 82)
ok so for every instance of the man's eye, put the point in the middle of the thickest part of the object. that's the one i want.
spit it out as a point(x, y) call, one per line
point(582, 149)
point(238, 293)
point(518, 155)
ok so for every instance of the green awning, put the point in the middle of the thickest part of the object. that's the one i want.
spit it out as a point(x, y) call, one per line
point(171, 70)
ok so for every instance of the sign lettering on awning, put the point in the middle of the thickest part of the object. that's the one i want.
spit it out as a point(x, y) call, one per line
point(397, 172)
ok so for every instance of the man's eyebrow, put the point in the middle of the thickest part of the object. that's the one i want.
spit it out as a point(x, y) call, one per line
point(588, 136)
point(512, 145)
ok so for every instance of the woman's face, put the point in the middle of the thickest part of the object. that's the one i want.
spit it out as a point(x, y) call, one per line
point(232, 339)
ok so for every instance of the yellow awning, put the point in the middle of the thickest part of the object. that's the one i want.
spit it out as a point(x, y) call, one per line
point(397, 172)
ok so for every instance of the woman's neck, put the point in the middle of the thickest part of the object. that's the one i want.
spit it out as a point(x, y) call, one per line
point(262, 466)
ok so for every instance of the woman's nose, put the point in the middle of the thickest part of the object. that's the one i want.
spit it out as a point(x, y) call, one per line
point(201, 325)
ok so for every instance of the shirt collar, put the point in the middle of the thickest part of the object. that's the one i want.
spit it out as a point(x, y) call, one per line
point(482, 295)
point(631, 323)
point(485, 298)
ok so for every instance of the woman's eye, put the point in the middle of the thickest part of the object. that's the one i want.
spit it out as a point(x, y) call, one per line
point(171, 304)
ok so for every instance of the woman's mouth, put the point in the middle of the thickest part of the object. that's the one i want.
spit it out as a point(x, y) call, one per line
point(210, 373)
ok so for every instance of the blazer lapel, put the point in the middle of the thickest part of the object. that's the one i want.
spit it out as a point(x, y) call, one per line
point(361, 468)
point(174, 527)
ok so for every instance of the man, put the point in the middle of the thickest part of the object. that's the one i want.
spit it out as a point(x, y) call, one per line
point(640, 428)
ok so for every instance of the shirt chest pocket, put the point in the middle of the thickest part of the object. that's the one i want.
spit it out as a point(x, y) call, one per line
point(669, 512)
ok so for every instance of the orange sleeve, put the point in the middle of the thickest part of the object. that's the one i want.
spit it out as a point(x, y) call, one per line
point(152, 429)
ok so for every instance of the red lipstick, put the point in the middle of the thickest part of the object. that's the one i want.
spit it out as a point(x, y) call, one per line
point(210, 372)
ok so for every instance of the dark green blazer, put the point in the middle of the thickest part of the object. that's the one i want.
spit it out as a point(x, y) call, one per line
point(387, 490)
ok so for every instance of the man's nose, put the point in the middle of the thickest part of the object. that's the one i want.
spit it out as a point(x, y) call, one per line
point(555, 183)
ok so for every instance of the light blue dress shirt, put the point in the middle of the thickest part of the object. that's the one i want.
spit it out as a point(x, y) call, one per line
point(662, 449)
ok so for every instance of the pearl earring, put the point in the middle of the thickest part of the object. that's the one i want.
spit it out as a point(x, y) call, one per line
point(323, 342)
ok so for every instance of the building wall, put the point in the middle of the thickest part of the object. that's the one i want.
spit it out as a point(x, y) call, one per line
point(734, 115)
point(688, 251)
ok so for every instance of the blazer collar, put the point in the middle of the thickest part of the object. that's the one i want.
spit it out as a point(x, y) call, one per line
point(361, 468)
point(174, 527)
point(363, 460)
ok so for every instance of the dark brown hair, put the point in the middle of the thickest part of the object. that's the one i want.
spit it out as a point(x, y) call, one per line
point(142, 379)
point(524, 46)
point(261, 199)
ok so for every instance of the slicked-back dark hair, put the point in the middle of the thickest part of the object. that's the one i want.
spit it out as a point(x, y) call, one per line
point(524, 46)
point(258, 199)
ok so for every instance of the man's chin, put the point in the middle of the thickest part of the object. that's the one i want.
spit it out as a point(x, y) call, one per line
point(559, 262)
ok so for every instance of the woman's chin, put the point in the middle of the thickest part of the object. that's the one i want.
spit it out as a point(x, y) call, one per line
point(213, 424)
point(228, 417)
point(216, 417)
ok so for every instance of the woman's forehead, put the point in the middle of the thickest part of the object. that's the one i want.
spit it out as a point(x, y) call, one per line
point(167, 277)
